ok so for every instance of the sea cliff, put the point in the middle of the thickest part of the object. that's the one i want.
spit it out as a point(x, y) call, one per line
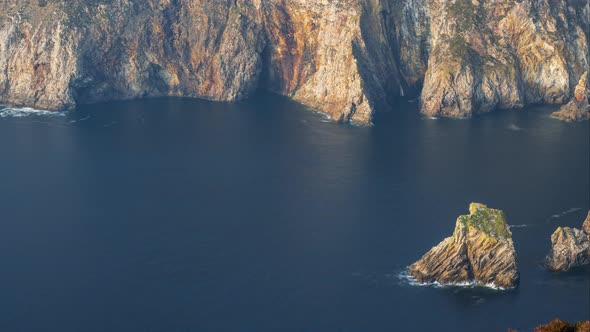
point(346, 58)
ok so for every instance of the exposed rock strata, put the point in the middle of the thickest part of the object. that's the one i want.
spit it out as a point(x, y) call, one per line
point(335, 56)
point(570, 248)
point(327, 54)
point(559, 325)
point(347, 58)
point(503, 54)
point(85, 51)
point(578, 109)
point(480, 251)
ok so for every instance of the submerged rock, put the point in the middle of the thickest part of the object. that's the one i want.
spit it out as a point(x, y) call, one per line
point(570, 248)
point(578, 109)
point(480, 252)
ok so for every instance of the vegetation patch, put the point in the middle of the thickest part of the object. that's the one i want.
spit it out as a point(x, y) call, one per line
point(490, 221)
point(467, 17)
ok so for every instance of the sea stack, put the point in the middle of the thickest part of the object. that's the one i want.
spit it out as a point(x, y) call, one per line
point(570, 248)
point(479, 252)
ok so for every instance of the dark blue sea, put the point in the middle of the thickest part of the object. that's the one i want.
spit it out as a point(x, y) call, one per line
point(184, 215)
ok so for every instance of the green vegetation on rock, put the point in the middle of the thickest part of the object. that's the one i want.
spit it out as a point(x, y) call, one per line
point(466, 16)
point(490, 221)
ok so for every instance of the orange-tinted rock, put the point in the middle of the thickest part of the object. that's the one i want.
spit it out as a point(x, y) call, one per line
point(578, 109)
point(346, 58)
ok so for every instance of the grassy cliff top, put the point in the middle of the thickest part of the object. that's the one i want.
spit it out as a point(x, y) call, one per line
point(490, 221)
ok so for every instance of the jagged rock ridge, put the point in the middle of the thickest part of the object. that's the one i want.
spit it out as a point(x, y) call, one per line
point(578, 108)
point(570, 248)
point(480, 252)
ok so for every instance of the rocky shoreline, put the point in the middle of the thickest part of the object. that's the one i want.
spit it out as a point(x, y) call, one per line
point(346, 58)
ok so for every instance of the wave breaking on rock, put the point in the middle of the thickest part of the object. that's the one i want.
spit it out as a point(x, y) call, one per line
point(480, 252)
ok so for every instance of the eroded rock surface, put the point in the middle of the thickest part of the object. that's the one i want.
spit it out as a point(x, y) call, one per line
point(570, 248)
point(86, 51)
point(334, 56)
point(480, 251)
point(347, 58)
point(578, 109)
point(503, 54)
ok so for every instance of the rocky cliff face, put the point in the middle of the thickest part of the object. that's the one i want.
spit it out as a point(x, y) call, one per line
point(328, 54)
point(503, 54)
point(578, 108)
point(570, 248)
point(347, 58)
point(336, 56)
point(480, 251)
point(63, 53)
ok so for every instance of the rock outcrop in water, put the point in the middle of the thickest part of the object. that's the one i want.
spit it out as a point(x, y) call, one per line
point(570, 248)
point(480, 252)
point(347, 58)
point(578, 108)
point(559, 325)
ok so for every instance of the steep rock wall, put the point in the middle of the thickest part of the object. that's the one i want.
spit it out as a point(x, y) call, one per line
point(503, 54)
point(330, 55)
point(347, 58)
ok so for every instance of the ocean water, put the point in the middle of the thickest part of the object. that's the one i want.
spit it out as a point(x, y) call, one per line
point(186, 215)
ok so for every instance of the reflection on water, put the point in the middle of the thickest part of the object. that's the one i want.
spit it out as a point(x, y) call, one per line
point(177, 214)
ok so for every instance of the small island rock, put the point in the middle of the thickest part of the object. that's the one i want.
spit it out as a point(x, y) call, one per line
point(570, 248)
point(480, 252)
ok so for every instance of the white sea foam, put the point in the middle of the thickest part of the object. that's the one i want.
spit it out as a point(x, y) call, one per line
point(407, 278)
point(10, 112)
point(82, 119)
point(514, 127)
point(519, 226)
point(563, 213)
point(323, 116)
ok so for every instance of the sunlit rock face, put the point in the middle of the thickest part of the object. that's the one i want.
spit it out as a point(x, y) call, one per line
point(347, 58)
point(479, 252)
point(578, 108)
point(570, 248)
point(87, 51)
point(503, 54)
point(336, 56)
